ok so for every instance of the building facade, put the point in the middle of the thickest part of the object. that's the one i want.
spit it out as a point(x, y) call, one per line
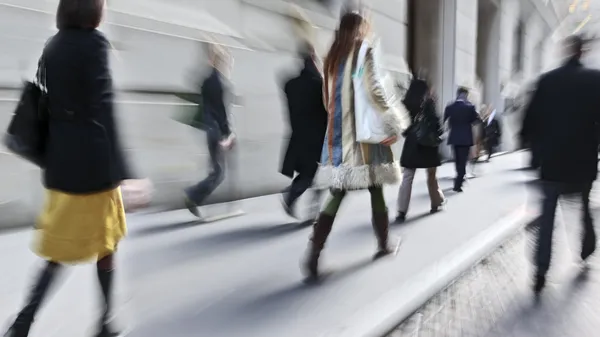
point(490, 46)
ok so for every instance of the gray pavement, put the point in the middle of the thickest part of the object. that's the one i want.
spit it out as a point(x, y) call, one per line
point(494, 299)
point(241, 277)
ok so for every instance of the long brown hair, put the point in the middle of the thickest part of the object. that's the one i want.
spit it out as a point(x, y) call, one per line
point(353, 29)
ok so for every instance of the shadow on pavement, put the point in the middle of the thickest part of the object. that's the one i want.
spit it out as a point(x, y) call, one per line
point(156, 230)
point(207, 245)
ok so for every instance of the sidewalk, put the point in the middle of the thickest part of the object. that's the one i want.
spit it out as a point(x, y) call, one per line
point(241, 277)
point(495, 299)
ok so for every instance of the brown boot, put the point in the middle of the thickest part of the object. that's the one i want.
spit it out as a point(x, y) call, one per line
point(381, 223)
point(321, 230)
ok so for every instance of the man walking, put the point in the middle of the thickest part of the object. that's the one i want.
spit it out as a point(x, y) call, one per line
point(461, 115)
point(562, 118)
point(219, 137)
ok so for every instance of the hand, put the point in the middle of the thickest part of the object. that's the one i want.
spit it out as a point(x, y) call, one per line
point(389, 141)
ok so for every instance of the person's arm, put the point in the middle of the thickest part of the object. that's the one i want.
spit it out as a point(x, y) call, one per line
point(527, 132)
point(212, 91)
point(102, 100)
point(395, 117)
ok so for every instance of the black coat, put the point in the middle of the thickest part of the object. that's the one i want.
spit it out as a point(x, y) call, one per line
point(84, 154)
point(492, 132)
point(562, 121)
point(308, 121)
point(415, 155)
point(213, 96)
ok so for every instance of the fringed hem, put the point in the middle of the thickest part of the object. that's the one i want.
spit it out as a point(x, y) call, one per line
point(346, 177)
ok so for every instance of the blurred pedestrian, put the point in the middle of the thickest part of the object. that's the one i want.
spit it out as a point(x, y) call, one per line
point(421, 147)
point(354, 165)
point(83, 218)
point(492, 132)
point(214, 90)
point(308, 121)
point(461, 116)
point(562, 119)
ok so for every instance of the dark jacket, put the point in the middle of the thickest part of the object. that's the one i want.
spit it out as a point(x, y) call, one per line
point(461, 115)
point(84, 153)
point(562, 118)
point(308, 121)
point(492, 132)
point(415, 155)
point(213, 96)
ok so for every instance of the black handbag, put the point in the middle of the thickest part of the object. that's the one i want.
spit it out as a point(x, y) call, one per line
point(423, 131)
point(28, 129)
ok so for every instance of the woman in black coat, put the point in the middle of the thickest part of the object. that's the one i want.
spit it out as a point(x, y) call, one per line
point(308, 121)
point(420, 104)
point(83, 219)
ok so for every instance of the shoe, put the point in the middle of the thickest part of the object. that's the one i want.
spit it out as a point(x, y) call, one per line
point(438, 208)
point(18, 330)
point(106, 331)
point(400, 218)
point(192, 207)
point(540, 283)
point(289, 210)
point(321, 231)
point(381, 227)
point(589, 247)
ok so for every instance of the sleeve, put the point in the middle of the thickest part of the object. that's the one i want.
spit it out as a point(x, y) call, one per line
point(395, 117)
point(436, 124)
point(530, 117)
point(102, 102)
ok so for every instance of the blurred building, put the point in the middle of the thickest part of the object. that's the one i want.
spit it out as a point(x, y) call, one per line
point(490, 46)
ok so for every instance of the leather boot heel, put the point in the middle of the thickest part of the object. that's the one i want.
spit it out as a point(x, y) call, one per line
point(380, 223)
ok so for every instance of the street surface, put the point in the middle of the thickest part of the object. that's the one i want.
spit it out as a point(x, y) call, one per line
point(241, 277)
point(494, 299)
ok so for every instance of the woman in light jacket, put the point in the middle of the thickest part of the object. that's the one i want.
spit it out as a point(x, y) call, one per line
point(347, 164)
point(83, 219)
point(420, 104)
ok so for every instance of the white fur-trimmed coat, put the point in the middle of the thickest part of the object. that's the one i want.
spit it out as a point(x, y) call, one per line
point(345, 163)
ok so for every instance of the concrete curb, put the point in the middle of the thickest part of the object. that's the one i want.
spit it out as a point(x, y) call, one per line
point(395, 306)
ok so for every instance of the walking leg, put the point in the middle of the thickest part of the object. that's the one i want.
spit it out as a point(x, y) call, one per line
point(589, 234)
point(404, 193)
point(543, 250)
point(321, 230)
point(22, 324)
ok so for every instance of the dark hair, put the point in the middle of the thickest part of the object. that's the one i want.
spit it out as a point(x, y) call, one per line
point(353, 28)
point(575, 45)
point(79, 14)
point(462, 91)
point(415, 95)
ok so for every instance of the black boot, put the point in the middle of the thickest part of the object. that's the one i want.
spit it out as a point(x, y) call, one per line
point(22, 324)
point(105, 278)
point(321, 231)
point(381, 224)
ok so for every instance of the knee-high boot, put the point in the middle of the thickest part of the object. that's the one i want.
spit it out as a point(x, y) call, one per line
point(105, 279)
point(321, 230)
point(381, 223)
point(24, 320)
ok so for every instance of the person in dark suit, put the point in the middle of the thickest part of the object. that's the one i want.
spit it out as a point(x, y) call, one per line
point(219, 137)
point(492, 133)
point(562, 118)
point(308, 121)
point(83, 219)
point(461, 115)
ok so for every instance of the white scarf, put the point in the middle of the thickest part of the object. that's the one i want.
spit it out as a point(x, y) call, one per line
point(491, 118)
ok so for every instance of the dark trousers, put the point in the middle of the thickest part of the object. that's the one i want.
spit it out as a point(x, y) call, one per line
point(199, 192)
point(551, 193)
point(489, 148)
point(461, 157)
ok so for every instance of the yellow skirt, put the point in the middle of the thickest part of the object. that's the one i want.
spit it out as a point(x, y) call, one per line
point(80, 228)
